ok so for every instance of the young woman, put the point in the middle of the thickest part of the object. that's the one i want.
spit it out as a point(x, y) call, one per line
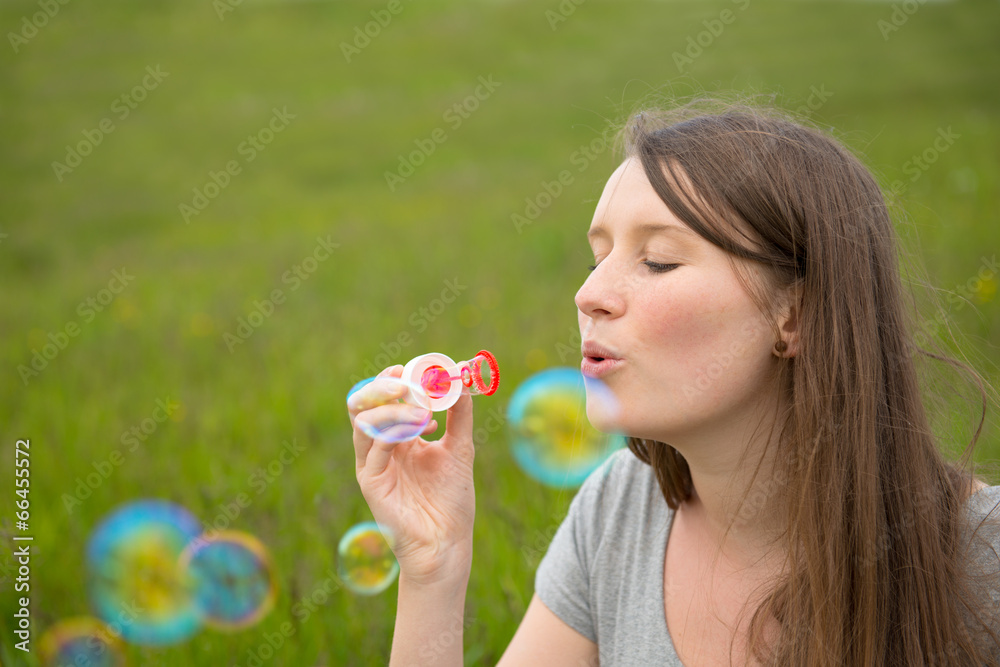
point(782, 500)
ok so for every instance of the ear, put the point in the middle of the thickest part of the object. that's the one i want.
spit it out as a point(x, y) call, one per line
point(788, 319)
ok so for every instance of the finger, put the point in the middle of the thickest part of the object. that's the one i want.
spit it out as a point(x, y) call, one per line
point(432, 426)
point(458, 424)
point(381, 450)
point(377, 454)
point(388, 425)
point(375, 393)
point(390, 371)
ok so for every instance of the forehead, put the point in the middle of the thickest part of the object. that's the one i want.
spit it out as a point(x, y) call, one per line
point(630, 206)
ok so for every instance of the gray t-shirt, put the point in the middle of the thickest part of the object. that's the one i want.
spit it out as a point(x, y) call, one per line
point(603, 572)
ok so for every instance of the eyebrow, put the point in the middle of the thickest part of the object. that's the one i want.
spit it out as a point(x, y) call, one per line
point(648, 227)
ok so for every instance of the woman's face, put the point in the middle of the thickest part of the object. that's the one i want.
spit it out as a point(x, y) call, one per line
point(692, 349)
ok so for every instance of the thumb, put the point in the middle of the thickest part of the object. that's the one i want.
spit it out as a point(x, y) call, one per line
point(458, 424)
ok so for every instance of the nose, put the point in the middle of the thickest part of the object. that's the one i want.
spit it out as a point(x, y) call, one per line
point(599, 295)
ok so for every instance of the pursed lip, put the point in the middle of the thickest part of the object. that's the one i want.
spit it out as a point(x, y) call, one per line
point(596, 351)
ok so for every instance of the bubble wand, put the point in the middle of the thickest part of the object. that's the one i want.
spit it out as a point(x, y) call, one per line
point(433, 382)
point(444, 380)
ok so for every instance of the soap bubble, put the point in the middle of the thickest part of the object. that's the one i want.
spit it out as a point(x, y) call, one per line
point(136, 583)
point(233, 578)
point(391, 390)
point(551, 438)
point(358, 385)
point(366, 564)
point(81, 641)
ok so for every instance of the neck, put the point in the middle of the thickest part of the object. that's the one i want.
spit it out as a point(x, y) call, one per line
point(731, 507)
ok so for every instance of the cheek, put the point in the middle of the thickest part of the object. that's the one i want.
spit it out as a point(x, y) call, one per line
point(701, 337)
point(681, 321)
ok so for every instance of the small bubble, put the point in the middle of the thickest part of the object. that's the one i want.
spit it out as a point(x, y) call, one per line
point(233, 576)
point(358, 385)
point(552, 439)
point(399, 426)
point(81, 641)
point(366, 563)
point(135, 581)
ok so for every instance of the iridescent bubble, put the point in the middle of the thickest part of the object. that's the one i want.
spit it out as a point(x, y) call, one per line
point(234, 580)
point(359, 385)
point(551, 437)
point(136, 583)
point(81, 641)
point(366, 563)
point(379, 391)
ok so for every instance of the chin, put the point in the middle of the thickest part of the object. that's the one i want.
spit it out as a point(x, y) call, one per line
point(603, 408)
point(644, 432)
point(603, 419)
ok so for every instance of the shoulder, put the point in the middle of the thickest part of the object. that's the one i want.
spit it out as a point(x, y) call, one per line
point(982, 500)
point(621, 477)
point(581, 569)
point(615, 507)
point(982, 512)
point(621, 497)
point(981, 544)
point(620, 463)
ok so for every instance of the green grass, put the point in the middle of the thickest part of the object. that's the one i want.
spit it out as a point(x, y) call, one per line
point(324, 175)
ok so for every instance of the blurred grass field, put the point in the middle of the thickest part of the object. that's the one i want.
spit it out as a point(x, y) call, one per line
point(448, 226)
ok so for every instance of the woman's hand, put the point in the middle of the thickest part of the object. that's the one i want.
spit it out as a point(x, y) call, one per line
point(422, 491)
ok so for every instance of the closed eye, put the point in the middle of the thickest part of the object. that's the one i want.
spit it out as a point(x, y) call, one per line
point(656, 267)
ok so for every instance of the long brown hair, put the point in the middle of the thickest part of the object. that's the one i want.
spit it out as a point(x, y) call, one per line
point(877, 562)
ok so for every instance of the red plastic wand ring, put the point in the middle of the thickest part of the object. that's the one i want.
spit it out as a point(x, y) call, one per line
point(494, 374)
